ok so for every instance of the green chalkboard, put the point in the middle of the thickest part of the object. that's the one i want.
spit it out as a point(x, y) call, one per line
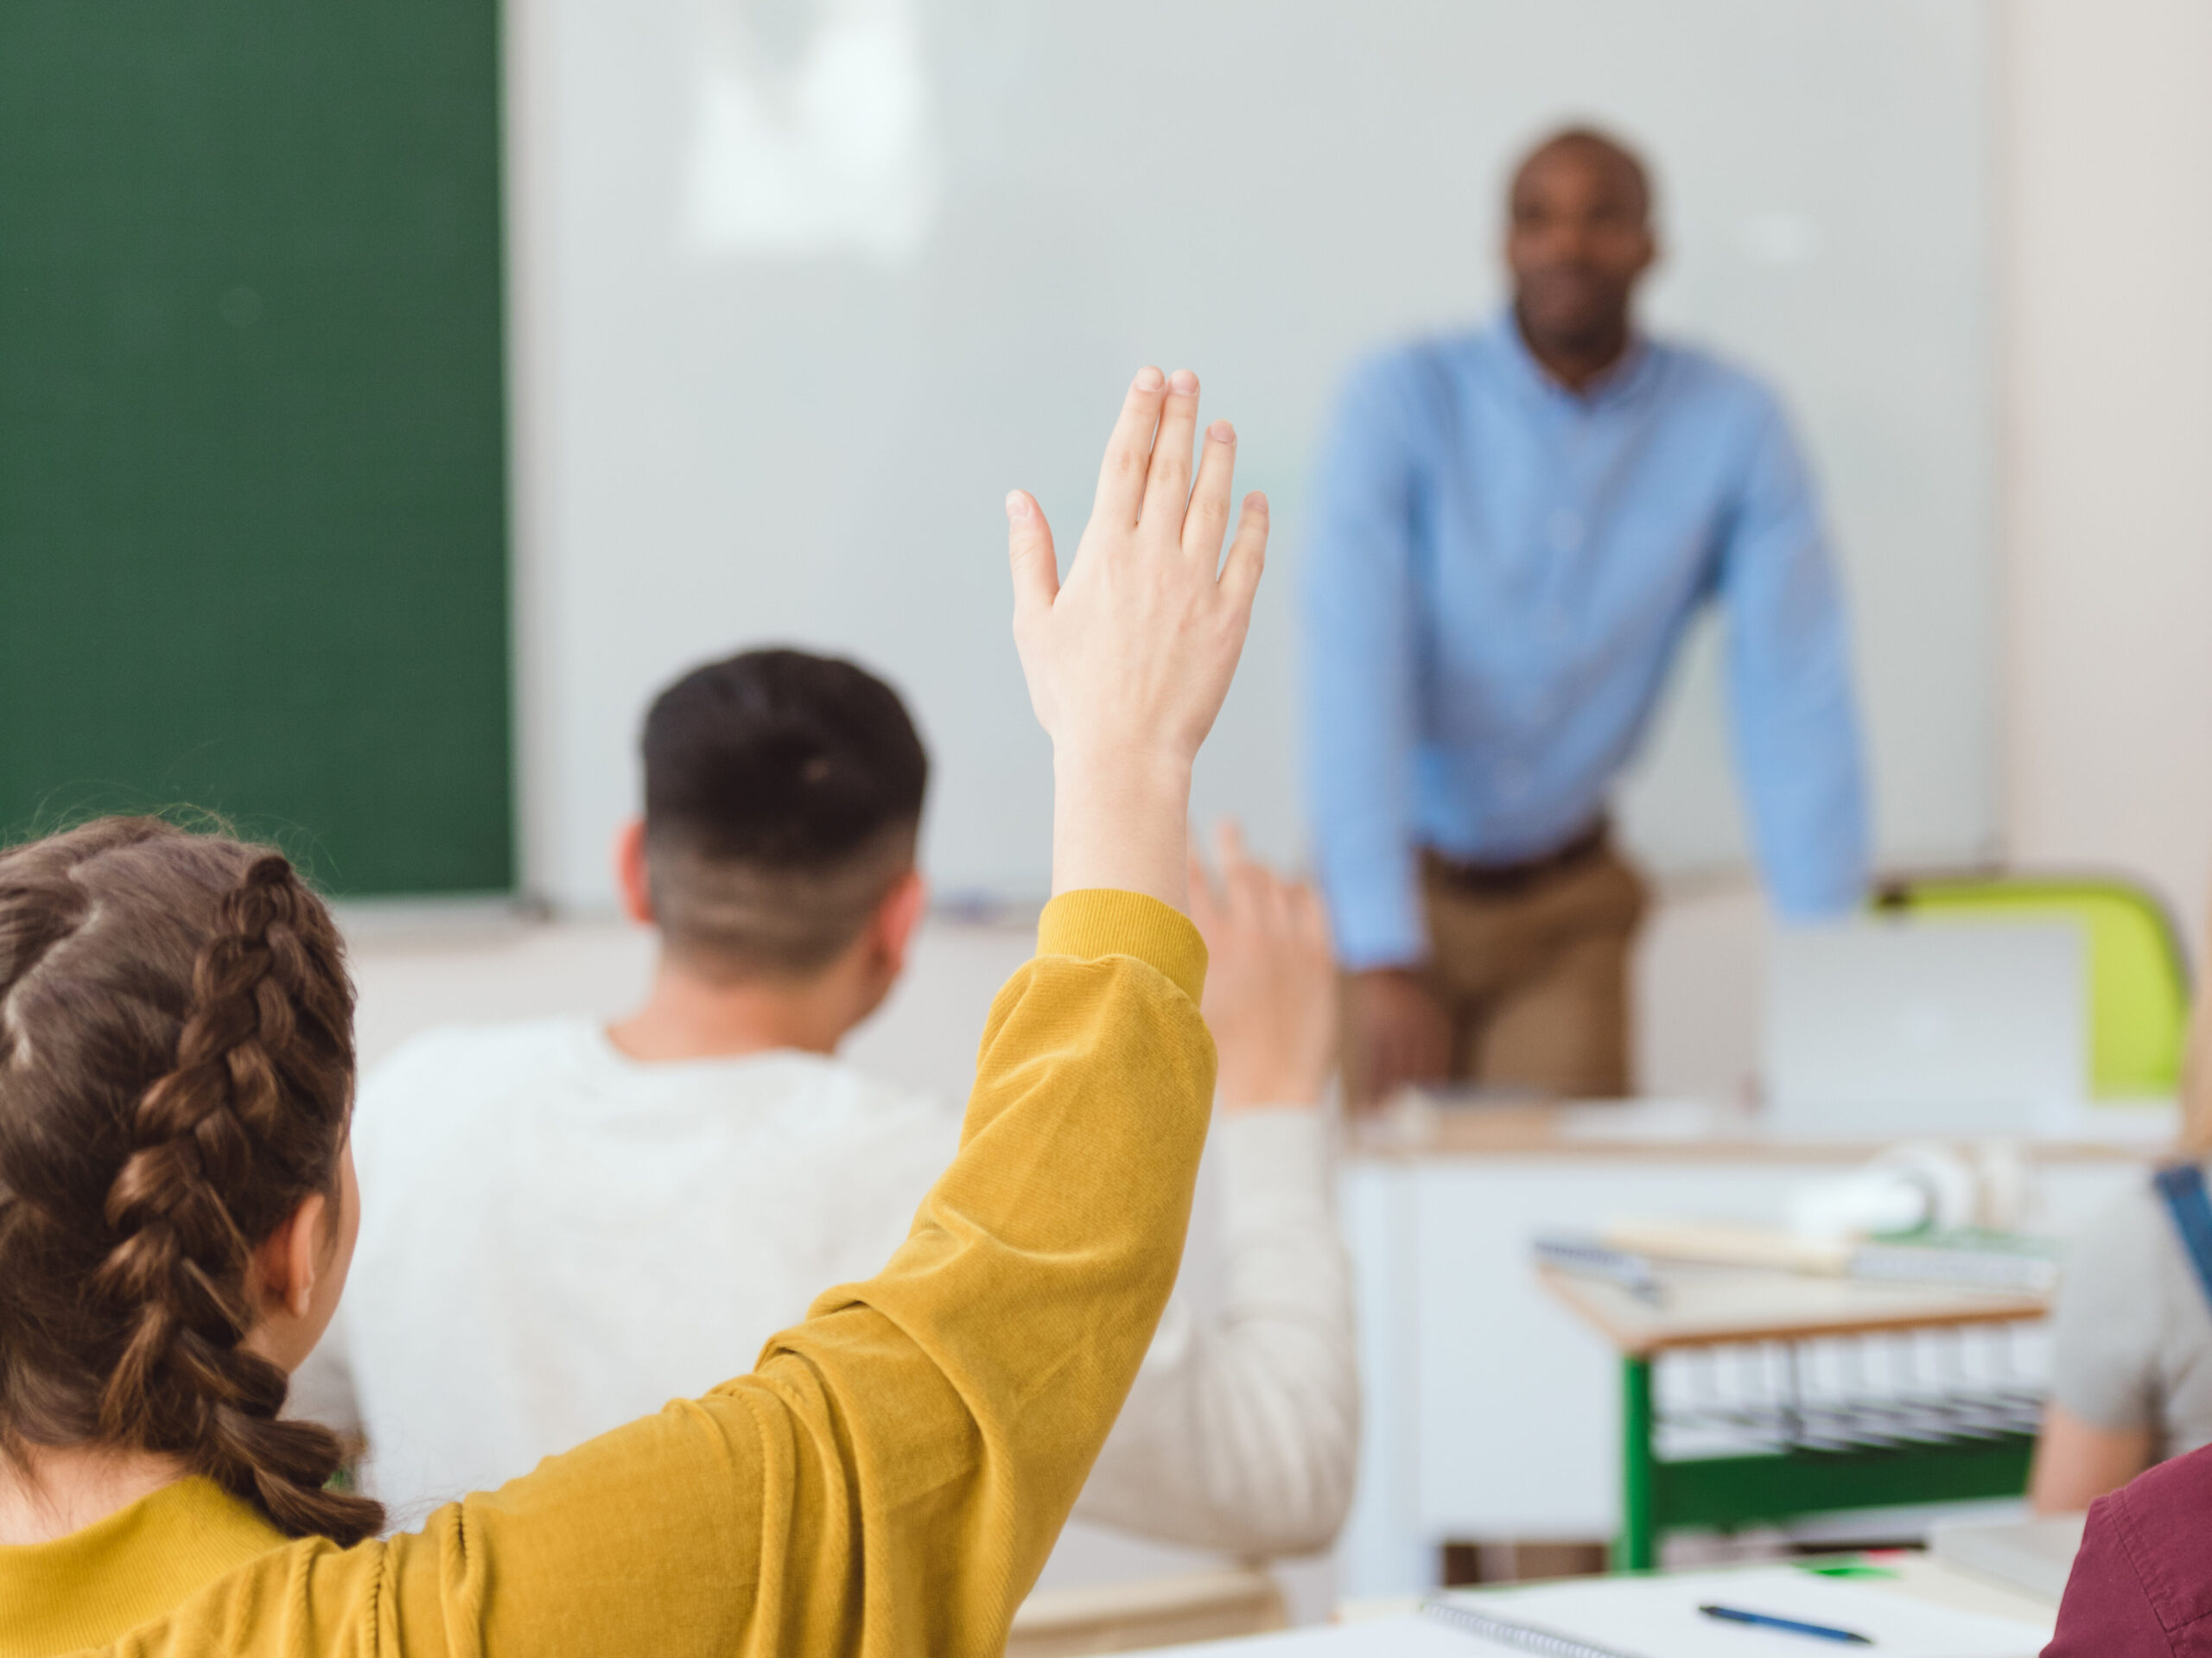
point(253, 448)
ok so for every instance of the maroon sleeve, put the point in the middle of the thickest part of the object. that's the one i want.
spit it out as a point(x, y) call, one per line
point(2142, 1585)
point(2106, 1614)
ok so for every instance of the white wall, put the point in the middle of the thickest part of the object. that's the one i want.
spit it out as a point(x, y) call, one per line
point(2106, 130)
point(2100, 136)
point(801, 287)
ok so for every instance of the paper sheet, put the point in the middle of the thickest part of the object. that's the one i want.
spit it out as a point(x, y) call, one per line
point(1658, 1616)
point(1382, 1637)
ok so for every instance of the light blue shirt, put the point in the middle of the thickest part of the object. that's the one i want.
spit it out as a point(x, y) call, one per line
point(1499, 575)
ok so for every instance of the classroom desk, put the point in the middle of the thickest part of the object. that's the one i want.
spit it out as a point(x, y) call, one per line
point(1367, 1627)
point(1708, 1305)
point(1813, 1450)
point(1491, 1411)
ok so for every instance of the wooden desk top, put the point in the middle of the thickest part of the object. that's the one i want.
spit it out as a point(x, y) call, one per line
point(1644, 1130)
point(1707, 1307)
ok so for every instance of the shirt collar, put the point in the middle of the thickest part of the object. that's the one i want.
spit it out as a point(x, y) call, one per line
point(137, 1565)
point(1619, 384)
point(601, 1055)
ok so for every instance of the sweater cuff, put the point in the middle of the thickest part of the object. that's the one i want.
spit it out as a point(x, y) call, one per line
point(1271, 1155)
point(1100, 921)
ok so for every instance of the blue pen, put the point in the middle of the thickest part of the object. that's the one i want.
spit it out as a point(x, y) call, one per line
point(1768, 1620)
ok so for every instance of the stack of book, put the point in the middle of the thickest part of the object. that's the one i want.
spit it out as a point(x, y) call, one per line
point(1964, 1258)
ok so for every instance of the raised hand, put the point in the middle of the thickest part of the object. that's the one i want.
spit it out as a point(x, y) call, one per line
point(1271, 991)
point(1128, 659)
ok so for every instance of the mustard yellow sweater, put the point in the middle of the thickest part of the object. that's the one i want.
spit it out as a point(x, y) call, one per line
point(888, 1480)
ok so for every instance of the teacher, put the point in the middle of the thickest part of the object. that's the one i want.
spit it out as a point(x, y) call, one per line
point(1514, 529)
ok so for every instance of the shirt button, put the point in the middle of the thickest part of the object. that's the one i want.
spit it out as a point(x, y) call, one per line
point(1565, 529)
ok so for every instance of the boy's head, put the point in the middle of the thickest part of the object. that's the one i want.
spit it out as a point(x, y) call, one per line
point(782, 798)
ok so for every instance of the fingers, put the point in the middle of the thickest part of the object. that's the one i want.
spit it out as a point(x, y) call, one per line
point(1291, 902)
point(1029, 545)
point(1247, 554)
point(1243, 881)
point(1404, 1036)
point(1385, 1069)
point(1284, 912)
point(1205, 908)
point(1309, 934)
point(1208, 519)
point(1128, 451)
point(1229, 846)
point(1405, 1061)
point(1167, 490)
point(1281, 908)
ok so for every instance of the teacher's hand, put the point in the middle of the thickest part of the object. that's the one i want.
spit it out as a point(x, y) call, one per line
point(1400, 1033)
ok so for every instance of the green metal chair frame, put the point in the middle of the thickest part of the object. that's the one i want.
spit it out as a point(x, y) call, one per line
point(2139, 978)
point(1726, 1493)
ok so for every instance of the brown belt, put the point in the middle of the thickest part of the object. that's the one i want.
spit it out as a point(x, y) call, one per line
point(1499, 879)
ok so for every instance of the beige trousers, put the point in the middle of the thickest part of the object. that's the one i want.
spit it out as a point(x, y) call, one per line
point(1534, 974)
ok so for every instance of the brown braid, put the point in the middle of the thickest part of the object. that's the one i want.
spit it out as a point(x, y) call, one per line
point(176, 1067)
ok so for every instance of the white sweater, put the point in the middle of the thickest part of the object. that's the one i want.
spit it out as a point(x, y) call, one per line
point(546, 1238)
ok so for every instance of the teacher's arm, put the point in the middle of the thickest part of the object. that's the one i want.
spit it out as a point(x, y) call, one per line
point(1360, 601)
point(1797, 721)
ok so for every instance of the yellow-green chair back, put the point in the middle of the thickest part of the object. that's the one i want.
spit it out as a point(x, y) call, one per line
point(2138, 981)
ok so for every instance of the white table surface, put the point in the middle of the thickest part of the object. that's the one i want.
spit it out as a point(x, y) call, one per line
point(1388, 1628)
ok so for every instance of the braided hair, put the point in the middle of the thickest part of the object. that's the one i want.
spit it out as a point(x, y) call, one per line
point(176, 1068)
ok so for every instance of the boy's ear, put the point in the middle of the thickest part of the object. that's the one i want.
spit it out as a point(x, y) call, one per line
point(631, 880)
point(898, 915)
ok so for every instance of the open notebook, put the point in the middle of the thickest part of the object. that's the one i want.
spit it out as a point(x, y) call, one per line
point(1658, 1618)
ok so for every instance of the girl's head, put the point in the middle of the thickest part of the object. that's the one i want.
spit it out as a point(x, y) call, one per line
point(176, 1070)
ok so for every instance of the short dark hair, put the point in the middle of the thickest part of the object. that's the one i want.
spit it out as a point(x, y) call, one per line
point(1617, 153)
point(783, 797)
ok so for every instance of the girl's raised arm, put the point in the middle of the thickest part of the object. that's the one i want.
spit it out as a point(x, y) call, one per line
point(891, 1476)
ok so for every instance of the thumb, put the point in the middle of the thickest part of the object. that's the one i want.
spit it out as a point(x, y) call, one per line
point(1029, 544)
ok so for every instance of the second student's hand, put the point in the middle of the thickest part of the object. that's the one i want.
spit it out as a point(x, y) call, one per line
point(1129, 658)
point(1271, 989)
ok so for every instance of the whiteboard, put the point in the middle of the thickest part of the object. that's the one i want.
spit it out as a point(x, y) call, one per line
point(803, 287)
